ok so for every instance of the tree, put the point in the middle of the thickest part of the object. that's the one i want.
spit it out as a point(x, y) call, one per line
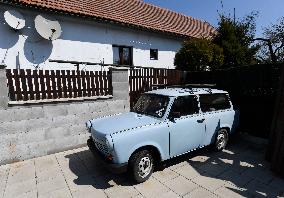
point(199, 54)
point(272, 45)
point(236, 39)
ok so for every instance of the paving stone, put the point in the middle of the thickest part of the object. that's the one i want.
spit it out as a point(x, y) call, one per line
point(175, 166)
point(277, 183)
point(235, 178)
point(258, 189)
point(89, 192)
point(21, 171)
point(212, 168)
point(45, 163)
point(48, 174)
point(232, 192)
point(51, 185)
point(181, 185)
point(209, 183)
point(169, 194)
point(188, 171)
point(200, 193)
point(31, 194)
point(4, 172)
point(198, 160)
point(81, 183)
point(264, 176)
point(20, 189)
point(151, 188)
point(165, 175)
point(60, 193)
point(121, 192)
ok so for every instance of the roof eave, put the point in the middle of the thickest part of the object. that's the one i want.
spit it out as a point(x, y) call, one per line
point(97, 19)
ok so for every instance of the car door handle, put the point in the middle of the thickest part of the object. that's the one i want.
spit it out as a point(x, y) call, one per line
point(201, 121)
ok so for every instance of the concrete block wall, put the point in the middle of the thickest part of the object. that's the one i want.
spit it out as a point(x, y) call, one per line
point(27, 132)
point(37, 130)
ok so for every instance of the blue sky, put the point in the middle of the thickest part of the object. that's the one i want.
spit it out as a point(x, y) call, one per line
point(269, 10)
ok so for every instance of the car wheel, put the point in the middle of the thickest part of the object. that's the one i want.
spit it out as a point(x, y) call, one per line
point(221, 140)
point(141, 166)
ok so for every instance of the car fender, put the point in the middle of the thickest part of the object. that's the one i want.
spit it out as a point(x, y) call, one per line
point(145, 144)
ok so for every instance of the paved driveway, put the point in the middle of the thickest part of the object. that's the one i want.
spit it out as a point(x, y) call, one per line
point(239, 171)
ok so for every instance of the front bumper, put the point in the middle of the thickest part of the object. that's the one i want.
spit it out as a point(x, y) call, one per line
point(115, 168)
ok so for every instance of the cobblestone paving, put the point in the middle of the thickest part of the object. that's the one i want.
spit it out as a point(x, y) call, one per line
point(239, 171)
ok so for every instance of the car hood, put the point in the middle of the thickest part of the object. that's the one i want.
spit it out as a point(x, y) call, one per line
point(119, 122)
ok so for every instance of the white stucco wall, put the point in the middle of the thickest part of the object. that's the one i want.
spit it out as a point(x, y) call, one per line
point(81, 40)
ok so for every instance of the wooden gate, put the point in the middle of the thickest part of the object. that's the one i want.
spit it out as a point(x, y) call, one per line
point(143, 79)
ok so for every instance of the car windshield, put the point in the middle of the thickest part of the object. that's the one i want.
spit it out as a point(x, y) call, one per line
point(152, 104)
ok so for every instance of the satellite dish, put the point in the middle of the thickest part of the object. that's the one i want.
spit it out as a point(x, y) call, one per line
point(48, 29)
point(14, 19)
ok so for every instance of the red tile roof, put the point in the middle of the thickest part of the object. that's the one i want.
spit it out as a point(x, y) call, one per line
point(131, 12)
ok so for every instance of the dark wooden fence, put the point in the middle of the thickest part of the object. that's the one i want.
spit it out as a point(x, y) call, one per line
point(275, 151)
point(252, 90)
point(143, 79)
point(54, 84)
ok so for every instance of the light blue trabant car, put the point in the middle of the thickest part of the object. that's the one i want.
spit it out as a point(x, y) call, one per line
point(163, 124)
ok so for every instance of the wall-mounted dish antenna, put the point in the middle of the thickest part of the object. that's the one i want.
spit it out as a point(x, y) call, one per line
point(48, 29)
point(14, 19)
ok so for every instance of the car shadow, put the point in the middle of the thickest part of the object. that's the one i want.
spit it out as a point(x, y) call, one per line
point(241, 166)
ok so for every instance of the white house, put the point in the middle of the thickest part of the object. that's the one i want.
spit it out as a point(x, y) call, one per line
point(123, 32)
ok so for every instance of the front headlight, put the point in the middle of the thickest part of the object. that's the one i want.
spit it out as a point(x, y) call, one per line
point(89, 126)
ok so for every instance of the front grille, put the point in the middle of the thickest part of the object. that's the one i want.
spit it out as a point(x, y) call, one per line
point(102, 147)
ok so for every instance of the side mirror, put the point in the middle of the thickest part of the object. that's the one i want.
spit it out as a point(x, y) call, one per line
point(174, 115)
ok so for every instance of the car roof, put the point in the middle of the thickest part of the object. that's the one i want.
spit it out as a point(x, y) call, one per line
point(185, 91)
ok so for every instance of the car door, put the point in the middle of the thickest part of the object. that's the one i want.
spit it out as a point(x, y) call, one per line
point(187, 126)
point(216, 109)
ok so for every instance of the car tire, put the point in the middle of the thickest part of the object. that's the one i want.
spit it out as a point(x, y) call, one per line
point(221, 141)
point(141, 166)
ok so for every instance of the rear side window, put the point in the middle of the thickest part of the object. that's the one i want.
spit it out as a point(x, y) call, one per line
point(214, 102)
point(186, 105)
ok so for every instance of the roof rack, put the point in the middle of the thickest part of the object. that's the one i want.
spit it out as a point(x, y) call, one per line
point(189, 87)
point(185, 86)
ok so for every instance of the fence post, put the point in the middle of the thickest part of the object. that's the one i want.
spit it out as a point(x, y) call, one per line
point(120, 84)
point(3, 87)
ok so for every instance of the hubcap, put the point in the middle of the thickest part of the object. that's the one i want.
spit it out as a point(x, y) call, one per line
point(144, 167)
point(221, 141)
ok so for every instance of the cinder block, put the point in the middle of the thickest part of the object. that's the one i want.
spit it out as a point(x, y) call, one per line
point(14, 153)
point(40, 123)
point(28, 113)
point(6, 115)
point(55, 110)
point(78, 129)
point(14, 127)
point(8, 139)
point(62, 144)
point(82, 119)
point(98, 106)
point(31, 136)
point(82, 139)
point(56, 133)
point(41, 148)
point(77, 108)
point(117, 105)
point(63, 120)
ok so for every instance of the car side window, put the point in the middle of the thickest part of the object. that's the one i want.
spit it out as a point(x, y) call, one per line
point(214, 102)
point(185, 105)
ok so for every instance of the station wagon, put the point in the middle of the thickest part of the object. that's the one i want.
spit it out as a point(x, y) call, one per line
point(163, 124)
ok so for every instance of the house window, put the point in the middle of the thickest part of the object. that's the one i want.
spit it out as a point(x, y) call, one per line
point(122, 55)
point(154, 54)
